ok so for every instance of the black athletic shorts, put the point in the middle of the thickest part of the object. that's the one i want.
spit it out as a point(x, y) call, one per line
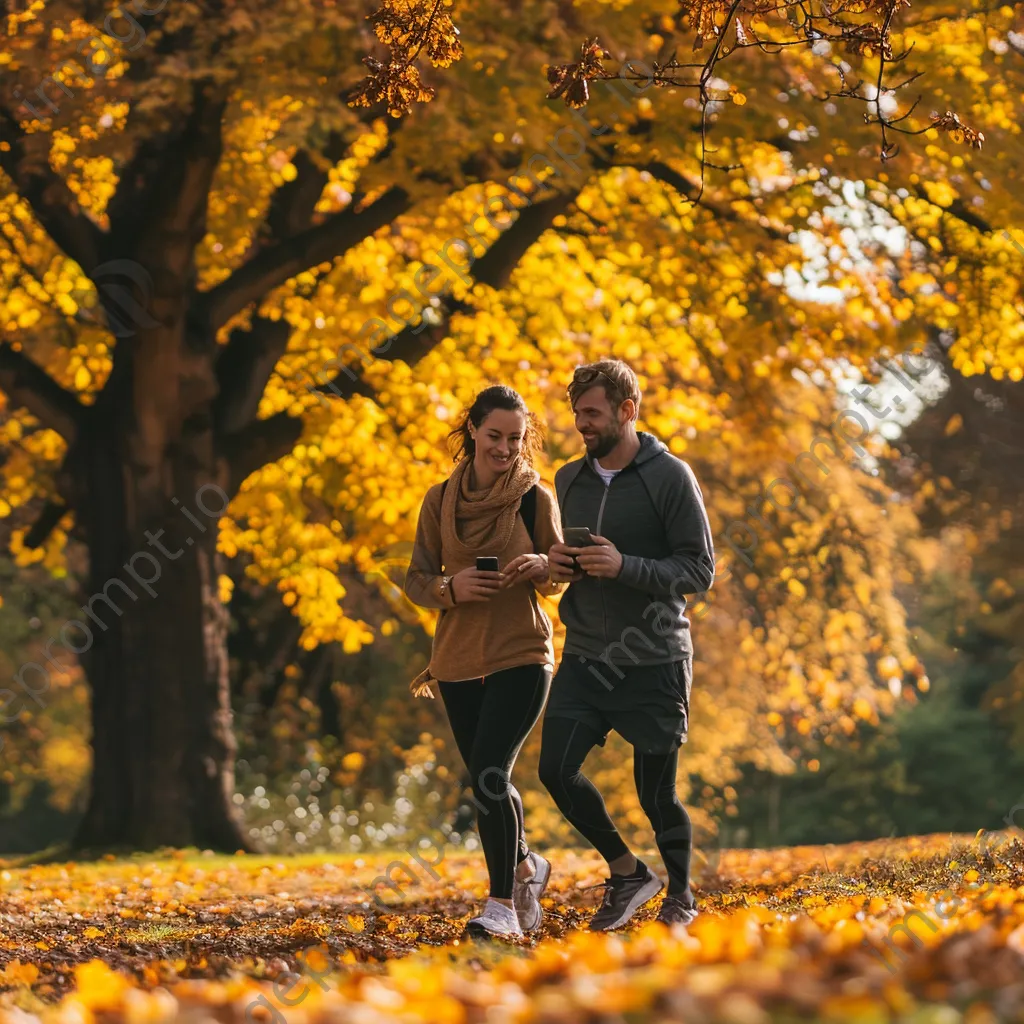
point(649, 706)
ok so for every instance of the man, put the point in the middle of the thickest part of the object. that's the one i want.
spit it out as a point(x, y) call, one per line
point(628, 657)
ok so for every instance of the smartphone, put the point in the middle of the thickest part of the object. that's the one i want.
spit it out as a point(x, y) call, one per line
point(487, 564)
point(577, 537)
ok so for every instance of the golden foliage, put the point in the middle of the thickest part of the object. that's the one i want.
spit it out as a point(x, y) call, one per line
point(572, 79)
point(169, 939)
point(408, 28)
point(802, 260)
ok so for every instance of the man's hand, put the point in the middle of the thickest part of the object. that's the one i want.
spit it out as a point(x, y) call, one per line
point(523, 568)
point(560, 564)
point(601, 559)
point(475, 585)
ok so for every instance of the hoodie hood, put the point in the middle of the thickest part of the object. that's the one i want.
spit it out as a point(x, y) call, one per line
point(650, 447)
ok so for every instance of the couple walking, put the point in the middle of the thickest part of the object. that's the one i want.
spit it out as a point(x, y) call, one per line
point(627, 660)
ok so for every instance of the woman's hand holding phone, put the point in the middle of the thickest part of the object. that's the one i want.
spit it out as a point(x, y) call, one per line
point(475, 585)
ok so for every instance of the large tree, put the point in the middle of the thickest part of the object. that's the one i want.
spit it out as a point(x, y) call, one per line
point(230, 274)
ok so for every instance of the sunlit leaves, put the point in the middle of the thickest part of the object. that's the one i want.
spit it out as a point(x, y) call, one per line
point(898, 920)
point(571, 80)
point(803, 258)
point(407, 28)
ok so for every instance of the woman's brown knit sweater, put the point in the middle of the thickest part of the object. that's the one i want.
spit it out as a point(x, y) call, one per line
point(477, 638)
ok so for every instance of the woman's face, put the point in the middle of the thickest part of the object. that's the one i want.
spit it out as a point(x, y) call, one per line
point(499, 439)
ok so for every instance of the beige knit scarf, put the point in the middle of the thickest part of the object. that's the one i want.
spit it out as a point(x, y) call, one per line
point(478, 522)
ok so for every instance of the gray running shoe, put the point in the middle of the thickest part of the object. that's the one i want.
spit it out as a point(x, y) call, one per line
point(677, 909)
point(526, 895)
point(623, 897)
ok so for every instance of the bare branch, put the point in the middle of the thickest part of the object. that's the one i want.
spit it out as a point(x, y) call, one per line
point(856, 31)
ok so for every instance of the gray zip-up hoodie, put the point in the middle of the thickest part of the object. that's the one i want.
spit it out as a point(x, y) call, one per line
point(653, 512)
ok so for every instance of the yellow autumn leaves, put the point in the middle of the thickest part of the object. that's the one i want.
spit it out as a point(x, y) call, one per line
point(702, 299)
point(777, 931)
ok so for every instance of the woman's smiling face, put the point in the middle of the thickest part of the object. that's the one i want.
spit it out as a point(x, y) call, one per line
point(499, 439)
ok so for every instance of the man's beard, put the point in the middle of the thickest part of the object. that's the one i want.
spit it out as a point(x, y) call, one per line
point(605, 443)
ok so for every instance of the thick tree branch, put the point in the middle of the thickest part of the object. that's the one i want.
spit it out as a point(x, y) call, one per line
point(53, 512)
point(958, 209)
point(346, 385)
point(244, 366)
point(494, 268)
point(27, 384)
point(411, 347)
point(722, 211)
point(667, 176)
point(277, 263)
point(26, 161)
point(138, 178)
point(292, 206)
point(257, 444)
point(178, 188)
point(410, 344)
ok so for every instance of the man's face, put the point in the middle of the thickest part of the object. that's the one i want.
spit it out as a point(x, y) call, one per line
point(599, 423)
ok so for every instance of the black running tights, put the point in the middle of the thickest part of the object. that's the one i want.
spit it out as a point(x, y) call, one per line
point(565, 745)
point(490, 721)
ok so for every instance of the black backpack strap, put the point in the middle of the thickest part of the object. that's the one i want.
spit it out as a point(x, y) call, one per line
point(528, 510)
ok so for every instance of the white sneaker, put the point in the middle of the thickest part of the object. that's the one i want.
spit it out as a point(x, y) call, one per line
point(526, 895)
point(496, 919)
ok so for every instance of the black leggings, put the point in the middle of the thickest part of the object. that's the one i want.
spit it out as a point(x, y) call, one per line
point(490, 719)
point(564, 747)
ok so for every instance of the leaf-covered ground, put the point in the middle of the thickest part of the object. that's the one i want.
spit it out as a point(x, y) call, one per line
point(807, 933)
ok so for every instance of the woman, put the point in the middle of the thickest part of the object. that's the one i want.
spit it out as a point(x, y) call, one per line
point(492, 654)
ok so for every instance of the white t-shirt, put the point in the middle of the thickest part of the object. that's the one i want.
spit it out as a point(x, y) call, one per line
point(607, 475)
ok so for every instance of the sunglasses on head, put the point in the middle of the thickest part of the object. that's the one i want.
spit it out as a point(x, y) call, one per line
point(587, 375)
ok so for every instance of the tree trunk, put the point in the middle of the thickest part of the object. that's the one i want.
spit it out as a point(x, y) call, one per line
point(163, 745)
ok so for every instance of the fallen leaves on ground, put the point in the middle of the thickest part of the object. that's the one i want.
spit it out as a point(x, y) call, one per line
point(922, 929)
